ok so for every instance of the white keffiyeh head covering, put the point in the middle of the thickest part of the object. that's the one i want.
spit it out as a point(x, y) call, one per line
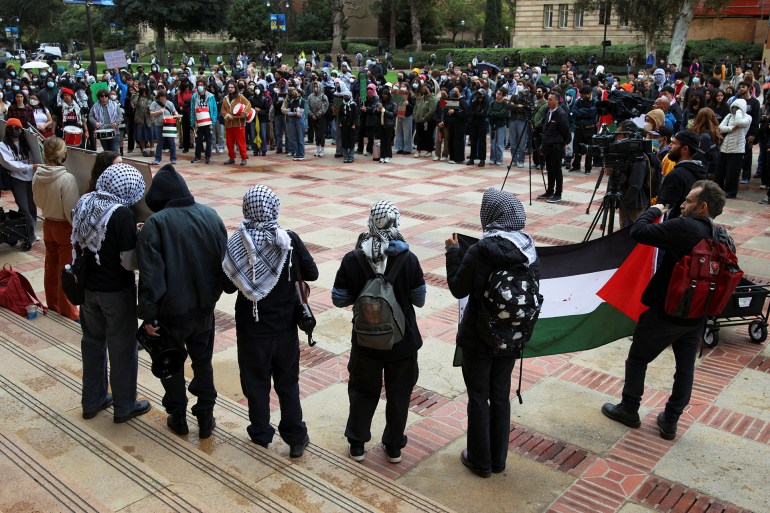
point(384, 220)
point(256, 253)
point(119, 185)
point(502, 215)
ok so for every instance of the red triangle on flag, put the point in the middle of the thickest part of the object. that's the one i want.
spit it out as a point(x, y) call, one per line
point(624, 289)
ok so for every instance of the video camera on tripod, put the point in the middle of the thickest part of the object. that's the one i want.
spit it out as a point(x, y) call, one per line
point(622, 105)
point(612, 151)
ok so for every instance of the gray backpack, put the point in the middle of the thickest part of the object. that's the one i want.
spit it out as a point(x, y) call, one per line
point(378, 320)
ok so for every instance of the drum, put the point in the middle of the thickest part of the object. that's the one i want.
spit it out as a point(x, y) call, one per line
point(73, 135)
point(202, 116)
point(238, 109)
point(104, 133)
point(169, 126)
point(251, 115)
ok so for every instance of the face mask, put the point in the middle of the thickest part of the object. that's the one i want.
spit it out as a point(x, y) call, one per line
point(219, 72)
point(25, 92)
point(14, 132)
point(655, 145)
point(113, 97)
point(251, 88)
point(13, 73)
point(34, 103)
point(34, 80)
point(201, 89)
point(50, 85)
point(43, 74)
point(154, 68)
point(112, 83)
point(8, 84)
point(15, 88)
point(1, 95)
point(648, 126)
point(484, 75)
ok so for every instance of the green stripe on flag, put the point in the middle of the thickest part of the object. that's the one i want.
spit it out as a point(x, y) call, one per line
point(578, 332)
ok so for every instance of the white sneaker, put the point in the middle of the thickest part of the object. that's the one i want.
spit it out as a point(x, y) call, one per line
point(366, 154)
point(418, 154)
point(382, 161)
point(386, 160)
point(321, 153)
point(437, 158)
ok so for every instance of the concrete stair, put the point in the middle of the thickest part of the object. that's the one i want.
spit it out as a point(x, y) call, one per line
point(142, 466)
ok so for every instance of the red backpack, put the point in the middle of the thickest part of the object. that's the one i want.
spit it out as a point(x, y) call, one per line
point(703, 280)
point(16, 293)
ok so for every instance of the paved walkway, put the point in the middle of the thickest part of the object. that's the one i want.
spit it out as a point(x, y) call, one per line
point(564, 455)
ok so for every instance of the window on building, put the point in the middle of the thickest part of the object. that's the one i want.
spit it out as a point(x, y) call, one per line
point(623, 21)
point(547, 16)
point(578, 22)
point(605, 13)
point(563, 15)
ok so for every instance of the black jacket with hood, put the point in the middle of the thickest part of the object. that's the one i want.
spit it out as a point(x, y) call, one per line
point(469, 276)
point(179, 250)
point(677, 184)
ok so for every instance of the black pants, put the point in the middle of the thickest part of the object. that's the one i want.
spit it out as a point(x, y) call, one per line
point(423, 136)
point(203, 135)
point(185, 130)
point(488, 383)
point(746, 164)
point(537, 153)
point(368, 132)
point(195, 334)
point(553, 153)
point(729, 172)
point(652, 335)
point(582, 136)
point(317, 130)
point(263, 358)
point(25, 202)
point(364, 389)
point(478, 136)
point(130, 132)
point(456, 142)
point(386, 141)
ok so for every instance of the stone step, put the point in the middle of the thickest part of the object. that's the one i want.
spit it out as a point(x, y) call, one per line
point(346, 485)
point(30, 483)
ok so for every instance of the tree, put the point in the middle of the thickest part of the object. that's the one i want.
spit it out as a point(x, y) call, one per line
point(651, 17)
point(415, 24)
point(182, 15)
point(248, 21)
point(34, 16)
point(454, 12)
point(682, 26)
point(340, 20)
point(315, 22)
point(494, 27)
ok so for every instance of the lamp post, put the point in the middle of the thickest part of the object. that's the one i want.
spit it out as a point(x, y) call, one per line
point(91, 51)
point(462, 31)
point(508, 36)
point(10, 20)
point(606, 22)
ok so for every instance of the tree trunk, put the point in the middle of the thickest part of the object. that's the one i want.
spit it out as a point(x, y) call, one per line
point(338, 8)
point(393, 12)
point(649, 45)
point(679, 36)
point(416, 36)
point(160, 42)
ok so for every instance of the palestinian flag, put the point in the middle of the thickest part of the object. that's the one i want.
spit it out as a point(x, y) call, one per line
point(592, 292)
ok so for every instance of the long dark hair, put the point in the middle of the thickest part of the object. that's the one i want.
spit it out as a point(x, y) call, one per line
point(20, 153)
point(102, 162)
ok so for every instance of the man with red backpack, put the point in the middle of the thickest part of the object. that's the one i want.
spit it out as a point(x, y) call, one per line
point(660, 325)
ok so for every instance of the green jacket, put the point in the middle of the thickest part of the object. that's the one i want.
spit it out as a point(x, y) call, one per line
point(425, 109)
point(541, 109)
point(498, 113)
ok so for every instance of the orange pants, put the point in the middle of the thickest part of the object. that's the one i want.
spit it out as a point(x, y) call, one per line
point(58, 253)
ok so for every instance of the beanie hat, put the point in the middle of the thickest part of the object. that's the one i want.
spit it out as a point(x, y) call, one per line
point(13, 122)
point(658, 118)
point(65, 90)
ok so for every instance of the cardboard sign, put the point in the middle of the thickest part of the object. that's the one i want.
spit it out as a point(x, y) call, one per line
point(116, 59)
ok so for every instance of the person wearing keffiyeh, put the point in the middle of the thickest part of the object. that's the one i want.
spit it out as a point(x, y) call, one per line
point(104, 227)
point(263, 262)
point(487, 373)
point(381, 245)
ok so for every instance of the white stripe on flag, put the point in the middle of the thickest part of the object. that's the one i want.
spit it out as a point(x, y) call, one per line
point(573, 295)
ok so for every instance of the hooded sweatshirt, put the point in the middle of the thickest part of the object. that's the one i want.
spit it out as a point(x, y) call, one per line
point(55, 192)
point(677, 184)
point(179, 250)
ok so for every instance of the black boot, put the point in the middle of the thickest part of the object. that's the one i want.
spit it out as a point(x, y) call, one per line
point(206, 423)
point(177, 422)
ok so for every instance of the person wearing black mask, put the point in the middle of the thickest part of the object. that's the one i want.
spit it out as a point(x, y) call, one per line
point(15, 157)
point(455, 113)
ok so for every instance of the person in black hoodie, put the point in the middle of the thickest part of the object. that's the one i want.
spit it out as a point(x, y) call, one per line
point(554, 137)
point(686, 172)
point(477, 120)
point(487, 370)
point(263, 263)
point(382, 247)
point(181, 240)
point(655, 330)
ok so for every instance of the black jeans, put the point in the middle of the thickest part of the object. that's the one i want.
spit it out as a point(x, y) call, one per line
point(386, 141)
point(488, 384)
point(25, 202)
point(652, 335)
point(203, 135)
point(729, 172)
point(186, 130)
point(364, 389)
point(582, 136)
point(195, 335)
point(263, 358)
point(478, 135)
point(553, 153)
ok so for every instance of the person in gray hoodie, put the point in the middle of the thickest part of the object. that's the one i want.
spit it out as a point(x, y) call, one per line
point(179, 251)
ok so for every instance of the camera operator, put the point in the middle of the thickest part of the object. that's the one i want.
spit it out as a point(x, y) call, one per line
point(636, 179)
point(584, 113)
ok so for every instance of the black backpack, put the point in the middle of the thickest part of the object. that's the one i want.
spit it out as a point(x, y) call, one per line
point(512, 302)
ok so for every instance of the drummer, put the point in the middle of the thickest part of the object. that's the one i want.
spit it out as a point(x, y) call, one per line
point(106, 117)
point(71, 115)
point(162, 109)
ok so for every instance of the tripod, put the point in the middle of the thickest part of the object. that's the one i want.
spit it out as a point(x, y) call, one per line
point(611, 203)
point(529, 133)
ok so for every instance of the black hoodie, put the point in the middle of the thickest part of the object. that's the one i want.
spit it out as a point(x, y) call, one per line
point(677, 184)
point(179, 250)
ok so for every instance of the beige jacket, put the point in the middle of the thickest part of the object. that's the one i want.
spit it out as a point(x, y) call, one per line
point(55, 191)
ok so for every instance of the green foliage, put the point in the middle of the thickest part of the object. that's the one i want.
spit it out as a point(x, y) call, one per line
point(249, 21)
point(494, 29)
point(350, 47)
point(316, 20)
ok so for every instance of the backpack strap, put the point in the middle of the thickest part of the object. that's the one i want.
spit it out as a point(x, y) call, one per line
point(395, 267)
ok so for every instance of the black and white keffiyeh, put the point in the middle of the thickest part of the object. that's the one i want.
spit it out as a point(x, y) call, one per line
point(503, 215)
point(256, 253)
point(119, 185)
point(384, 220)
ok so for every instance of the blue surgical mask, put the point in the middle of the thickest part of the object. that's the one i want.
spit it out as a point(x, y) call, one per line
point(655, 145)
point(16, 88)
point(201, 89)
point(50, 84)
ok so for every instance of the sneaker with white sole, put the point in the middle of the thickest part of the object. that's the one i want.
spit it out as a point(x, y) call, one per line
point(356, 452)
